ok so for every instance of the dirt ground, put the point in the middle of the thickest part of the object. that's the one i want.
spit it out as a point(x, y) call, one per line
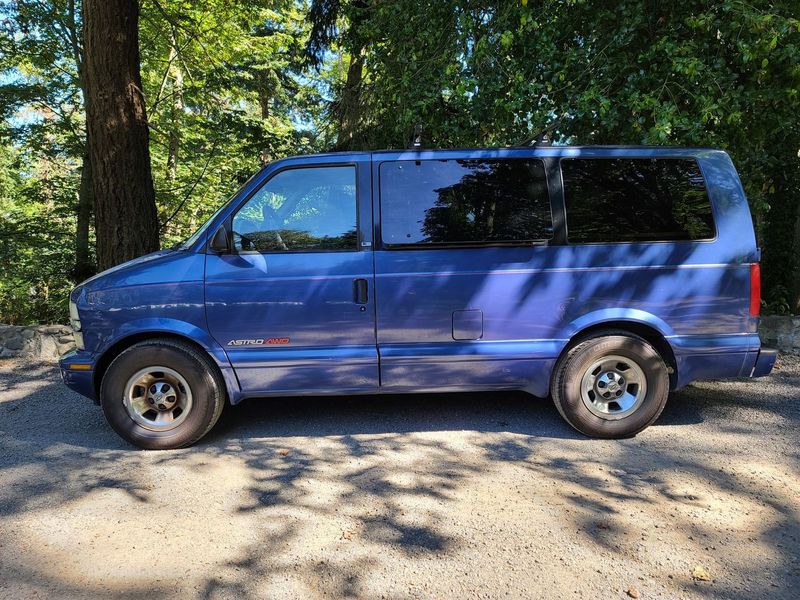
point(454, 496)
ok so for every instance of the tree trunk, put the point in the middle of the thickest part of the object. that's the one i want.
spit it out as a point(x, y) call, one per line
point(177, 112)
point(84, 266)
point(83, 263)
point(126, 221)
point(350, 104)
point(264, 101)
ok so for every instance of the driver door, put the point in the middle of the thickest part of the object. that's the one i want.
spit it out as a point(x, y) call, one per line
point(292, 301)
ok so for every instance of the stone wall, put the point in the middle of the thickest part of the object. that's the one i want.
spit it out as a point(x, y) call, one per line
point(42, 342)
point(48, 342)
point(781, 332)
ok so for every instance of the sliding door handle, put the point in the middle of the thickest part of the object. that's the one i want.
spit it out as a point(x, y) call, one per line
point(360, 291)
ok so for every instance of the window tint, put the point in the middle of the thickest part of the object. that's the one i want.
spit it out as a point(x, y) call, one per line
point(300, 209)
point(630, 200)
point(464, 201)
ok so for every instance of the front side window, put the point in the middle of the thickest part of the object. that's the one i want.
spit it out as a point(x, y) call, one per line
point(298, 210)
point(635, 200)
point(468, 201)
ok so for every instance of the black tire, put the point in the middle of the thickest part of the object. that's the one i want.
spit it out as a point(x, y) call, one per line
point(207, 393)
point(573, 366)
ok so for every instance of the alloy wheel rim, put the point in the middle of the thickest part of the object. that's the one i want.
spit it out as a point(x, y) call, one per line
point(613, 387)
point(157, 398)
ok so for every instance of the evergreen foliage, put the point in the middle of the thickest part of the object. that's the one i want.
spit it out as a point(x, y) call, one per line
point(231, 85)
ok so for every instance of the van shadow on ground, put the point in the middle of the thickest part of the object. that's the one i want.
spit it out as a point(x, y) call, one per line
point(400, 472)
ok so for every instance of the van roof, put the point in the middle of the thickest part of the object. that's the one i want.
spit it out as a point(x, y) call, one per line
point(560, 147)
point(593, 150)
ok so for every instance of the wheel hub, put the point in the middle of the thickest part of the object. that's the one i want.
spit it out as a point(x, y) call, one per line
point(158, 398)
point(613, 387)
point(610, 384)
point(162, 396)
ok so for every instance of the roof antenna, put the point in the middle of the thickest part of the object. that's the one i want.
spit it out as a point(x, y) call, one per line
point(417, 143)
point(541, 138)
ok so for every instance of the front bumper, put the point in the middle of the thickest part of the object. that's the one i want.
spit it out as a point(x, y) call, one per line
point(77, 372)
point(764, 362)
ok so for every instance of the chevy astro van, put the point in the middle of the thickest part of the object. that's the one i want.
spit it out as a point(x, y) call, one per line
point(604, 277)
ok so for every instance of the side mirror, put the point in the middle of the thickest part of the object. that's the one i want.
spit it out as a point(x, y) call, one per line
point(219, 241)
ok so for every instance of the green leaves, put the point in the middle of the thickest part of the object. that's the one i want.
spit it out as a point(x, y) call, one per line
point(227, 89)
point(724, 75)
point(227, 86)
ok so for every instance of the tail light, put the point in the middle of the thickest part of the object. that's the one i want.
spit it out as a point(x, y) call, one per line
point(755, 289)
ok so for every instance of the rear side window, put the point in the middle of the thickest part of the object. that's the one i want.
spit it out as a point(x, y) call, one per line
point(635, 200)
point(464, 202)
point(300, 210)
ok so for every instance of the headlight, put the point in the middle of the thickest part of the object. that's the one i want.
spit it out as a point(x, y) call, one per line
point(74, 317)
point(75, 323)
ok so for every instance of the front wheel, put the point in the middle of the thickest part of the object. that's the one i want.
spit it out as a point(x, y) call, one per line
point(612, 385)
point(162, 394)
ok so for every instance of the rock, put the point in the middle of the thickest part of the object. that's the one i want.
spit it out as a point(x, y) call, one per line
point(64, 348)
point(42, 342)
point(700, 573)
point(632, 592)
point(48, 349)
point(782, 332)
point(15, 343)
point(53, 329)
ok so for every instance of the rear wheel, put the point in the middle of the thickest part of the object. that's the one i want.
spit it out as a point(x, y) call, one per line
point(612, 385)
point(162, 394)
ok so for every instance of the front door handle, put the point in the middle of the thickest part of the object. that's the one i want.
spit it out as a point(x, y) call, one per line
point(360, 291)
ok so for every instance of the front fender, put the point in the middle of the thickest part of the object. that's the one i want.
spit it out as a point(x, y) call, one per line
point(168, 326)
point(160, 326)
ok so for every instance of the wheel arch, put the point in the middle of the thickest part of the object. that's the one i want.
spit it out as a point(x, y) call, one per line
point(125, 342)
point(646, 331)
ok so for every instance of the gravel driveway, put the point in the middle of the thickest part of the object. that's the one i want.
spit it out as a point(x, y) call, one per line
point(472, 495)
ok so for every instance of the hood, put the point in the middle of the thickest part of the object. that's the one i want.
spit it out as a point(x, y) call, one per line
point(136, 262)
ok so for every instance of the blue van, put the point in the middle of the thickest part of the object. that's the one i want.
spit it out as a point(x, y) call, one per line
point(601, 276)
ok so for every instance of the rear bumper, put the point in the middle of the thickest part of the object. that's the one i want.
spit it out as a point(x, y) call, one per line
point(77, 372)
point(720, 357)
point(764, 362)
